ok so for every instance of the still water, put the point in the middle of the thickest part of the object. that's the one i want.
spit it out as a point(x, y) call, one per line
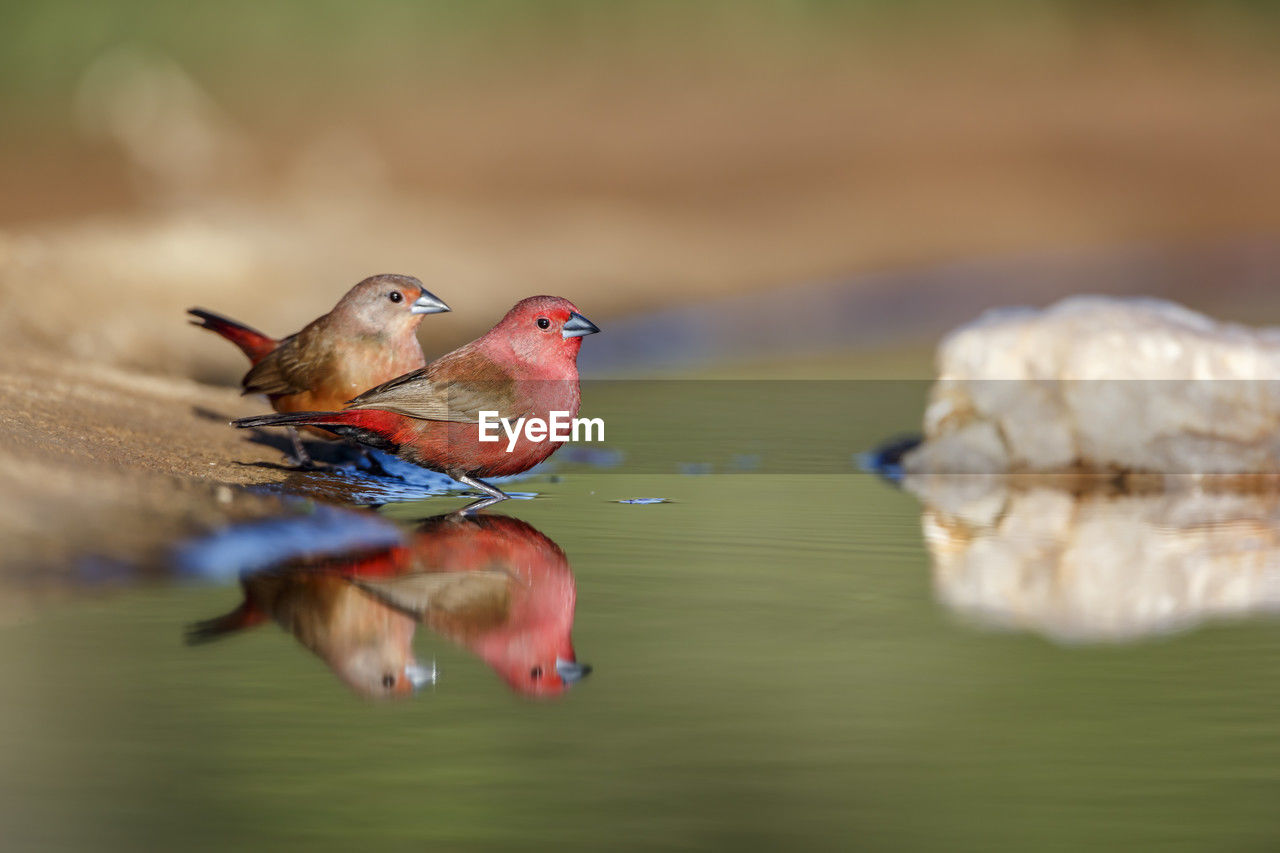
point(776, 662)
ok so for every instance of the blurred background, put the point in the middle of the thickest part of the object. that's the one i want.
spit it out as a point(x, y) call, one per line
point(637, 157)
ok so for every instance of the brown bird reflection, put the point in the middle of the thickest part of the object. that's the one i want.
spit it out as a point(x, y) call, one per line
point(366, 643)
point(493, 584)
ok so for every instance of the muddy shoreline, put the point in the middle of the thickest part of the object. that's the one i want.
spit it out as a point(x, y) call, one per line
point(115, 464)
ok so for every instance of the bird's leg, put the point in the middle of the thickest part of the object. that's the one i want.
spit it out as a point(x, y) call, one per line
point(371, 462)
point(492, 494)
point(476, 506)
point(300, 454)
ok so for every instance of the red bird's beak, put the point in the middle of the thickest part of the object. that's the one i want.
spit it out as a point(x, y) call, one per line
point(577, 326)
point(428, 303)
point(571, 672)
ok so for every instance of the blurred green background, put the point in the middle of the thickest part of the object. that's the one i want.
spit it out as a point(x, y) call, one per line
point(318, 45)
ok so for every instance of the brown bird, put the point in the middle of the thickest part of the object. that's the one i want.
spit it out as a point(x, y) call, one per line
point(363, 641)
point(524, 367)
point(369, 337)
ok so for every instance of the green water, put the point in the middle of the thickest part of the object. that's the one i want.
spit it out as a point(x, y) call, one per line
point(772, 670)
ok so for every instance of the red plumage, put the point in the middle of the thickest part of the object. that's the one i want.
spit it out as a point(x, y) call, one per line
point(525, 366)
point(496, 586)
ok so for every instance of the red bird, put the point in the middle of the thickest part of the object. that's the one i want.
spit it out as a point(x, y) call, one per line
point(369, 337)
point(524, 367)
point(498, 587)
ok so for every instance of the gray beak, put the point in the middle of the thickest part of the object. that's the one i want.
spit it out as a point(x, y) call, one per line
point(420, 676)
point(571, 672)
point(577, 326)
point(428, 303)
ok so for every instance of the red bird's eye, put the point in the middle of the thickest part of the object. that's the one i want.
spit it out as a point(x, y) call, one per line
point(395, 296)
point(544, 323)
point(535, 673)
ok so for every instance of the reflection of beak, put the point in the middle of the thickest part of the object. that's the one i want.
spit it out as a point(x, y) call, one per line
point(577, 326)
point(428, 304)
point(571, 672)
point(420, 676)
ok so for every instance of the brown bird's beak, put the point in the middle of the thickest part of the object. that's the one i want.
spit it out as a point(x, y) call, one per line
point(571, 672)
point(428, 303)
point(420, 676)
point(577, 326)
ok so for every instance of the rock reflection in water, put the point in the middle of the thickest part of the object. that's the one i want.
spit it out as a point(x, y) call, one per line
point(1099, 567)
point(493, 584)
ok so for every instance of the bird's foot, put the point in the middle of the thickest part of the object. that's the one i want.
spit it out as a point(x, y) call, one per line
point(492, 494)
point(300, 458)
point(371, 463)
point(475, 506)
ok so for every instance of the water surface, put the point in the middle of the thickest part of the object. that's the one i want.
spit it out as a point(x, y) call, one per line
point(771, 668)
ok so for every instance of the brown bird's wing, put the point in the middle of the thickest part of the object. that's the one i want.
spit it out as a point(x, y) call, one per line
point(455, 388)
point(288, 369)
point(449, 592)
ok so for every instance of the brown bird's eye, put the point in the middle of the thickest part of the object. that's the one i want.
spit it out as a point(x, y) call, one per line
point(395, 296)
point(388, 681)
point(544, 323)
point(535, 673)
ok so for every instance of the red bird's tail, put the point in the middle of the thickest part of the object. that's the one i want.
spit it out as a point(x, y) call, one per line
point(251, 342)
point(373, 427)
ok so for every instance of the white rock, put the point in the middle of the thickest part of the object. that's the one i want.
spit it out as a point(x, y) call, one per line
point(1104, 384)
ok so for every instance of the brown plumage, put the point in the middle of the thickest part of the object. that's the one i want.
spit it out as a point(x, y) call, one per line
point(366, 643)
point(370, 336)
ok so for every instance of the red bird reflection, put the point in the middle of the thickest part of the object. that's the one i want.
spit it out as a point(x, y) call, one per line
point(492, 584)
point(498, 587)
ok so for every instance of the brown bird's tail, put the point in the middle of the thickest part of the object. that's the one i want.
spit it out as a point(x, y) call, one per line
point(372, 427)
point(244, 616)
point(251, 342)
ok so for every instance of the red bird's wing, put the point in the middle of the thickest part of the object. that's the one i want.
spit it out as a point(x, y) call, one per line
point(449, 592)
point(449, 389)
